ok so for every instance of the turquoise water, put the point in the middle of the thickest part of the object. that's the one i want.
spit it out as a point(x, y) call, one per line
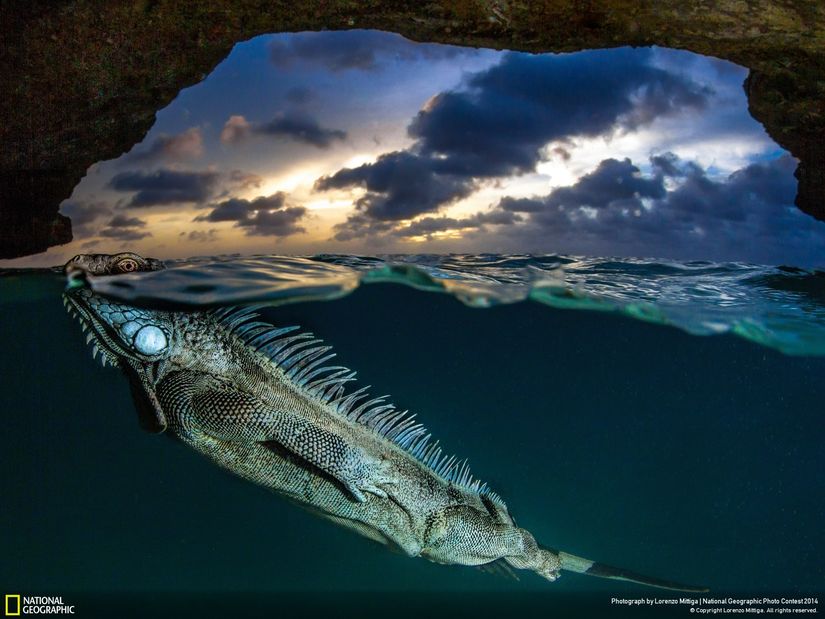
point(664, 417)
point(779, 307)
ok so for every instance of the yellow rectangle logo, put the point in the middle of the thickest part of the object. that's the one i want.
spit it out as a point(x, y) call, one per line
point(12, 605)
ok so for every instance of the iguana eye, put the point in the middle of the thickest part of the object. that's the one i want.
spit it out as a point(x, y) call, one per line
point(150, 340)
point(127, 265)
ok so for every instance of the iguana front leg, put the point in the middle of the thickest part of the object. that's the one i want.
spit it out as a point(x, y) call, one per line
point(230, 414)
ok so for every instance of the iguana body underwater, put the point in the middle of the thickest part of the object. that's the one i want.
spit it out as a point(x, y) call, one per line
point(264, 403)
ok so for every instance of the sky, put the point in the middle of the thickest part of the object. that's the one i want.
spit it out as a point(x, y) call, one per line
point(364, 142)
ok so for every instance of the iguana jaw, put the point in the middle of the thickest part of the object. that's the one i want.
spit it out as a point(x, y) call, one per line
point(100, 334)
point(109, 343)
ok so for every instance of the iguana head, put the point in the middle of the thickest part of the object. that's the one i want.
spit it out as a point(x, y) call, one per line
point(122, 333)
point(111, 264)
point(136, 340)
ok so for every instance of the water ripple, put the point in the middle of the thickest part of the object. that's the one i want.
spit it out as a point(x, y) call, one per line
point(778, 307)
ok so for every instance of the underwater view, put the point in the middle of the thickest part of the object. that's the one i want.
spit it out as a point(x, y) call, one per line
point(610, 427)
point(372, 327)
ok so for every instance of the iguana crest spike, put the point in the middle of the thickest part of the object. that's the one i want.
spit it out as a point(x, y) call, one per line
point(293, 353)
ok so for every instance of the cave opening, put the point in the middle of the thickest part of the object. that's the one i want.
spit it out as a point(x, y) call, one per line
point(121, 64)
point(363, 141)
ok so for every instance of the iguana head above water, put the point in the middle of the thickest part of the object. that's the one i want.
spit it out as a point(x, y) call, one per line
point(112, 264)
point(262, 402)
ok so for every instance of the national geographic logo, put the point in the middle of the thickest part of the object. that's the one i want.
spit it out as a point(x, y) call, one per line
point(17, 605)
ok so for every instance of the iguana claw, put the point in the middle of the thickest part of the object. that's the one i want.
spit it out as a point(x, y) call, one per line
point(358, 493)
point(376, 473)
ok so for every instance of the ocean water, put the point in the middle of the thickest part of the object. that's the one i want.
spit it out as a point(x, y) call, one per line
point(663, 417)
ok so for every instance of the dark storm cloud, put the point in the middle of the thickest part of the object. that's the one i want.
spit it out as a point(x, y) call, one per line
point(668, 164)
point(359, 225)
point(617, 210)
point(165, 186)
point(125, 228)
point(283, 222)
point(353, 50)
point(186, 145)
point(499, 124)
point(750, 195)
point(265, 215)
point(400, 185)
point(742, 215)
point(757, 192)
point(238, 209)
point(293, 125)
point(430, 225)
point(613, 182)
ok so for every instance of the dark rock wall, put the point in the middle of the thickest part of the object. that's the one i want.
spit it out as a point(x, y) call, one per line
point(83, 79)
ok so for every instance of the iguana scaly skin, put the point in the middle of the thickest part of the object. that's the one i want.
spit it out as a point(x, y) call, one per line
point(263, 403)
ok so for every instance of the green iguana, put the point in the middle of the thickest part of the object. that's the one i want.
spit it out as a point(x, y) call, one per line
point(264, 403)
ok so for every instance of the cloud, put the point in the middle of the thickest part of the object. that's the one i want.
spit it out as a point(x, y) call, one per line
point(83, 214)
point(283, 222)
point(359, 226)
point(125, 228)
point(618, 210)
point(244, 180)
point(613, 182)
point(500, 122)
point(165, 186)
point(237, 209)
point(201, 236)
point(122, 221)
point(186, 145)
point(668, 164)
point(236, 129)
point(292, 124)
point(300, 128)
point(509, 112)
point(399, 185)
point(358, 50)
point(748, 215)
point(265, 215)
point(427, 226)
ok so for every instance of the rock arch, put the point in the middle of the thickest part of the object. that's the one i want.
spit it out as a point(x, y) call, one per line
point(87, 77)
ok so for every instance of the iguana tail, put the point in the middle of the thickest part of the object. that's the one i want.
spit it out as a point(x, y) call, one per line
point(572, 563)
